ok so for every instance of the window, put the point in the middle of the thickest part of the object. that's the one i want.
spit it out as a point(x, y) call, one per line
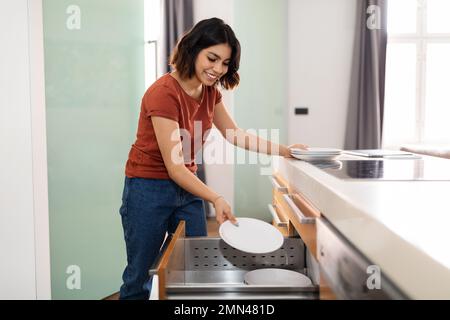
point(152, 14)
point(417, 99)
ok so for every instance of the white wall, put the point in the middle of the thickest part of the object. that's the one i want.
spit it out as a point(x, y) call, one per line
point(24, 246)
point(320, 37)
point(220, 177)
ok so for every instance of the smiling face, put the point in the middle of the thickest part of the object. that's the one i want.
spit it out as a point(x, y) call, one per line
point(212, 63)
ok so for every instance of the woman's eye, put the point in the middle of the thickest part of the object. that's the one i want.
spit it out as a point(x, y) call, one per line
point(212, 60)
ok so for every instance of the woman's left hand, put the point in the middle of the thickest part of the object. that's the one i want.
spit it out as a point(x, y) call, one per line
point(294, 146)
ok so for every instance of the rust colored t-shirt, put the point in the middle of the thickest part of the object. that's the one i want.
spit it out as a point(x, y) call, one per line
point(166, 98)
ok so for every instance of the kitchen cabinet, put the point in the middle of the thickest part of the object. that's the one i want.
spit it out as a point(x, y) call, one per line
point(343, 271)
point(278, 208)
point(346, 272)
point(380, 222)
point(295, 211)
point(299, 217)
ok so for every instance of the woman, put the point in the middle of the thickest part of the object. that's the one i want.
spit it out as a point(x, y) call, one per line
point(161, 187)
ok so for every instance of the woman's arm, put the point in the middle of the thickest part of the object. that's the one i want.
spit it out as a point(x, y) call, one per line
point(168, 137)
point(238, 137)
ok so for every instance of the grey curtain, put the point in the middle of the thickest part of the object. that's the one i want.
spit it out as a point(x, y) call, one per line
point(178, 17)
point(366, 103)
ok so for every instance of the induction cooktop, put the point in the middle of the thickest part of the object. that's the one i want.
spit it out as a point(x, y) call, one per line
point(430, 169)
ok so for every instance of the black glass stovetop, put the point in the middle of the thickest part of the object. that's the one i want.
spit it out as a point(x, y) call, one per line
point(434, 169)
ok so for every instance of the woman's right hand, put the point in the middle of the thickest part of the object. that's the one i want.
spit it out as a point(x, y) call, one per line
point(223, 211)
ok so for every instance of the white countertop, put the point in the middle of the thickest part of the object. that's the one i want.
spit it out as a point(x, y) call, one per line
point(401, 226)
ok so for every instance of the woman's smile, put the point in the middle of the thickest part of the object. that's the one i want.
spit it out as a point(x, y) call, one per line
point(211, 76)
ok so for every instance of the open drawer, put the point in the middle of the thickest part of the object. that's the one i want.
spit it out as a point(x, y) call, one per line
point(278, 208)
point(207, 268)
point(303, 215)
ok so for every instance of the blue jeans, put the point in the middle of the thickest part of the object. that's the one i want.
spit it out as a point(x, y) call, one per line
point(150, 208)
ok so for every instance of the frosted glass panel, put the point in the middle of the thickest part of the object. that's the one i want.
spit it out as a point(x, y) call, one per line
point(438, 94)
point(402, 16)
point(438, 16)
point(260, 98)
point(94, 68)
point(400, 96)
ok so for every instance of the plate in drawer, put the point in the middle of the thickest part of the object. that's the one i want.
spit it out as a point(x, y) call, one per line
point(252, 235)
point(277, 277)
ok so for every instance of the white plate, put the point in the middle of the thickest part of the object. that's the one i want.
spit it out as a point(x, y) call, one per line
point(277, 277)
point(327, 164)
point(251, 236)
point(316, 151)
point(317, 155)
point(296, 152)
point(311, 157)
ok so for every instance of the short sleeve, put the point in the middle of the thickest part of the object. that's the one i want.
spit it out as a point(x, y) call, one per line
point(163, 102)
point(218, 97)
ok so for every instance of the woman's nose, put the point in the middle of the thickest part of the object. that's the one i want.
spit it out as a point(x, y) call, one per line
point(218, 68)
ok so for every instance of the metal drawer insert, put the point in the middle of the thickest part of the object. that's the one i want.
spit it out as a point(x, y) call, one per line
point(207, 268)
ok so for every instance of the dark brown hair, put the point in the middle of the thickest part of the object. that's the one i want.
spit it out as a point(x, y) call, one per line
point(205, 34)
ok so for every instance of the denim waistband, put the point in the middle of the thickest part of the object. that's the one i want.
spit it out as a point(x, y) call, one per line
point(160, 189)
